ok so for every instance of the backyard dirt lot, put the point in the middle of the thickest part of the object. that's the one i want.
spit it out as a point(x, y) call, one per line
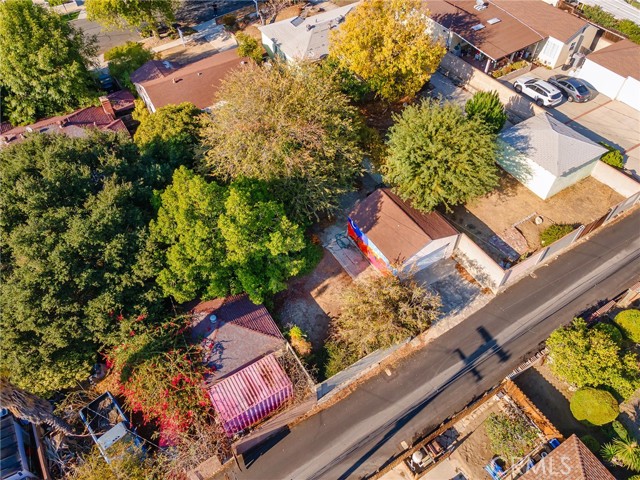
point(312, 300)
point(506, 216)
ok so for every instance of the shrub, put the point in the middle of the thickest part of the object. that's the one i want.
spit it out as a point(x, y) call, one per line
point(299, 341)
point(249, 47)
point(339, 357)
point(229, 21)
point(613, 157)
point(629, 323)
point(512, 436)
point(597, 407)
point(605, 19)
point(126, 59)
point(512, 67)
point(487, 107)
point(591, 443)
point(555, 232)
point(611, 331)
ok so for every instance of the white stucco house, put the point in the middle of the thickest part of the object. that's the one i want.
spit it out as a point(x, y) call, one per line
point(303, 38)
point(615, 72)
point(547, 156)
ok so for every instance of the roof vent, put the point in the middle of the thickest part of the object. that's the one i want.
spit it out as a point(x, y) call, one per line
point(309, 27)
point(493, 21)
point(199, 74)
point(477, 27)
point(480, 5)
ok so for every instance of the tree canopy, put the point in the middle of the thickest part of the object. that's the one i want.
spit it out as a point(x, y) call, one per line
point(171, 135)
point(126, 59)
point(290, 126)
point(437, 155)
point(386, 43)
point(145, 15)
point(225, 240)
point(44, 63)
point(382, 311)
point(187, 222)
point(593, 358)
point(74, 214)
point(249, 47)
point(487, 107)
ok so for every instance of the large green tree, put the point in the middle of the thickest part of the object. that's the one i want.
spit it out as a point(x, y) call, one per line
point(141, 14)
point(126, 59)
point(187, 227)
point(592, 357)
point(436, 155)
point(44, 63)
point(386, 43)
point(264, 247)
point(171, 135)
point(222, 240)
point(290, 126)
point(74, 215)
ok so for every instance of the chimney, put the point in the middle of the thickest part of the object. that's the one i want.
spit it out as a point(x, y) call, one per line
point(107, 107)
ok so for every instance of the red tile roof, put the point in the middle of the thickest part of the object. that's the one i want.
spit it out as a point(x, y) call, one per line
point(251, 394)
point(196, 82)
point(72, 124)
point(398, 230)
point(572, 460)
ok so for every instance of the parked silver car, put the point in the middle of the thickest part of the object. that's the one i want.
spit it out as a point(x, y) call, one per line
point(542, 92)
point(573, 88)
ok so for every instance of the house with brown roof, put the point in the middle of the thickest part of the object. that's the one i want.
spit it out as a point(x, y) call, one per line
point(497, 31)
point(395, 237)
point(241, 344)
point(161, 82)
point(572, 460)
point(106, 117)
point(615, 72)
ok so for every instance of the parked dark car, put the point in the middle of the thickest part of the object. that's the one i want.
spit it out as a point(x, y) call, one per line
point(573, 88)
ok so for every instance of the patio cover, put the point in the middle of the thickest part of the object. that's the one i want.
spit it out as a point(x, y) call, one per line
point(248, 396)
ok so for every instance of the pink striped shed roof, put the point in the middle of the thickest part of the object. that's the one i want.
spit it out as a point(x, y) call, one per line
point(252, 393)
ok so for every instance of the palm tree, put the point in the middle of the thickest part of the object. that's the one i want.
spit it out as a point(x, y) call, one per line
point(30, 407)
point(624, 451)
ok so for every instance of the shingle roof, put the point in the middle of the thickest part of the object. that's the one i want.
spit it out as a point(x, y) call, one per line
point(241, 332)
point(74, 124)
point(306, 38)
point(249, 395)
point(622, 58)
point(522, 23)
point(398, 230)
point(196, 82)
point(553, 145)
point(572, 460)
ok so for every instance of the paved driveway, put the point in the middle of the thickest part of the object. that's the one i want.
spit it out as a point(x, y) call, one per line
point(602, 120)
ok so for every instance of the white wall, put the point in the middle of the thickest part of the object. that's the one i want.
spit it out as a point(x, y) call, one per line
point(603, 80)
point(479, 264)
point(145, 97)
point(567, 180)
point(527, 172)
point(614, 179)
point(550, 52)
point(431, 247)
point(630, 93)
point(268, 45)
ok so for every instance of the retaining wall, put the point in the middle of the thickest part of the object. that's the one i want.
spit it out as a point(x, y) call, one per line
point(615, 179)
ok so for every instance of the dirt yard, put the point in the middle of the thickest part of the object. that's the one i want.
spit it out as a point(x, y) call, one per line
point(503, 222)
point(313, 300)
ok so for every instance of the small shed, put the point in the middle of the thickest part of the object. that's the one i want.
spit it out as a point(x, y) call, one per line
point(249, 395)
point(547, 156)
point(397, 238)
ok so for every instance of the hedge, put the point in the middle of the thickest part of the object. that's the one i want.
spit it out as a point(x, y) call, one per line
point(611, 331)
point(555, 232)
point(629, 323)
point(613, 157)
point(591, 443)
point(597, 407)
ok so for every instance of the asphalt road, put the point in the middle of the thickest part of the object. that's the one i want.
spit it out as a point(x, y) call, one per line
point(359, 434)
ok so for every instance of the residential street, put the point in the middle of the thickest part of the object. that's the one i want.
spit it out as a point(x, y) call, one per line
point(356, 436)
